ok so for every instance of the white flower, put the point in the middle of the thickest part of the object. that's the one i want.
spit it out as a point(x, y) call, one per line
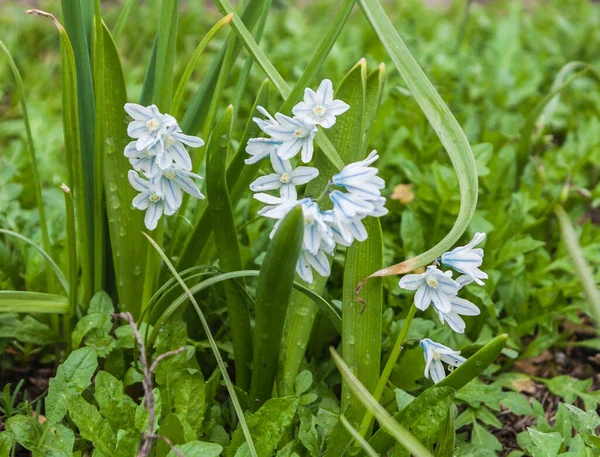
point(460, 306)
point(307, 262)
point(277, 207)
point(294, 135)
point(142, 160)
point(467, 260)
point(378, 207)
point(160, 135)
point(319, 107)
point(345, 232)
point(150, 200)
point(259, 148)
point(435, 354)
point(432, 286)
point(285, 178)
point(172, 181)
point(316, 231)
point(347, 206)
point(264, 123)
point(360, 179)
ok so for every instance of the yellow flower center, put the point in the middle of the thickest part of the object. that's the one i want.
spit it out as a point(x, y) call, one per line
point(299, 133)
point(170, 174)
point(319, 110)
point(154, 198)
point(152, 124)
point(285, 178)
point(432, 282)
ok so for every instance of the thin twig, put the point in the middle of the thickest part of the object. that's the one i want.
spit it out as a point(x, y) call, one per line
point(149, 437)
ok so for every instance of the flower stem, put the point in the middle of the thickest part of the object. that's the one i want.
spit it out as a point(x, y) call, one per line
point(389, 366)
point(325, 192)
point(152, 269)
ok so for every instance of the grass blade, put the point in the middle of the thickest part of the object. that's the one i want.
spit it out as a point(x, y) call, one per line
point(194, 59)
point(582, 267)
point(284, 89)
point(273, 294)
point(239, 177)
point(213, 344)
point(443, 123)
point(228, 248)
point(124, 223)
point(165, 55)
point(149, 77)
point(16, 301)
point(35, 177)
point(73, 152)
point(404, 438)
point(59, 274)
point(123, 18)
point(358, 437)
point(320, 55)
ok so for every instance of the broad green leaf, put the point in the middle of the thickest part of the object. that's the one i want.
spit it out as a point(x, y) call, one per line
point(484, 439)
point(73, 376)
point(404, 438)
point(115, 406)
point(7, 440)
point(26, 330)
point(569, 389)
point(27, 431)
point(583, 421)
point(88, 323)
point(13, 301)
point(373, 94)
point(198, 449)
point(141, 413)
point(267, 426)
point(273, 292)
point(445, 126)
point(307, 433)
point(544, 444)
point(303, 382)
point(228, 249)
point(422, 417)
point(92, 426)
point(172, 429)
point(101, 303)
point(125, 223)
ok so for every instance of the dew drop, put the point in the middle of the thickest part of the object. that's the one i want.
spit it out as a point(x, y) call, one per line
point(112, 186)
point(137, 270)
point(351, 339)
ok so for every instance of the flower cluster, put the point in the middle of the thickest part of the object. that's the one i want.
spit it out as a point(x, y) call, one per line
point(438, 288)
point(159, 153)
point(360, 197)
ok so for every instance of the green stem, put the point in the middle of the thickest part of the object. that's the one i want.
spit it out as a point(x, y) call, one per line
point(69, 318)
point(389, 366)
point(152, 268)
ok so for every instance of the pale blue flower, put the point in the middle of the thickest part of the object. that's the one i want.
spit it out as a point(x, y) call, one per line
point(467, 259)
point(378, 207)
point(150, 200)
point(277, 207)
point(285, 178)
point(345, 232)
point(436, 353)
point(347, 206)
point(142, 160)
point(459, 306)
point(161, 136)
point(316, 230)
point(172, 181)
point(260, 148)
point(432, 286)
point(360, 179)
point(308, 261)
point(319, 107)
point(295, 136)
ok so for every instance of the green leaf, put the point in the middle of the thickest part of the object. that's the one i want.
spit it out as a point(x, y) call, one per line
point(517, 403)
point(92, 426)
point(227, 245)
point(25, 430)
point(569, 389)
point(303, 382)
point(273, 293)
point(7, 440)
point(422, 417)
point(101, 303)
point(26, 330)
point(72, 377)
point(198, 449)
point(358, 437)
point(544, 444)
point(475, 364)
point(141, 413)
point(583, 421)
point(307, 434)
point(267, 426)
point(445, 126)
point(165, 55)
point(484, 439)
point(88, 323)
point(116, 407)
point(402, 436)
point(125, 224)
point(13, 301)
